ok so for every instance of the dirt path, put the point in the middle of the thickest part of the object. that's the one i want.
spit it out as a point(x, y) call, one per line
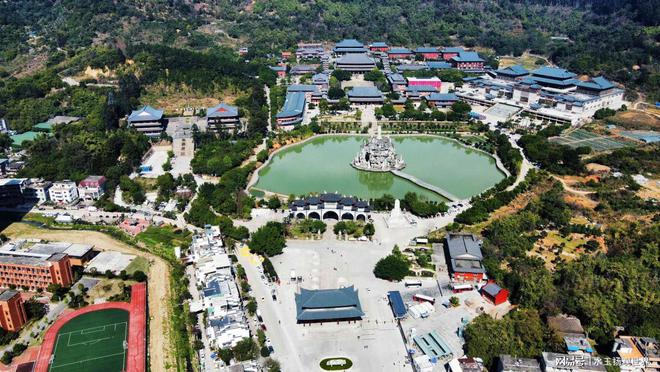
point(159, 279)
point(570, 189)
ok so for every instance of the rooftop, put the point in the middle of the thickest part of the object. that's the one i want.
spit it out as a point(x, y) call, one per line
point(360, 92)
point(554, 73)
point(146, 113)
point(7, 295)
point(433, 346)
point(222, 110)
point(328, 304)
point(509, 363)
point(426, 50)
point(348, 43)
point(466, 246)
point(399, 50)
point(294, 105)
point(468, 57)
point(491, 289)
point(442, 97)
point(515, 70)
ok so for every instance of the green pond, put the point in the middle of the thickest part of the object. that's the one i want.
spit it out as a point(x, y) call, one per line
point(323, 165)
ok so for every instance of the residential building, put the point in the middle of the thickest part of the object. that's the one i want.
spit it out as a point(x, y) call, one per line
point(11, 191)
point(34, 271)
point(428, 53)
point(134, 226)
point(356, 63)
point(223, 117)
point(321, 305)
point(469, 364)
point(632, 359)
point(507, 363)
point(400, 53)
point(379, 46)
point(91, 188)
point(147, 120)
point(365, 95)
point(494, 294)
point(12, 311)
point(465, 258)
point(441, 99)
point(293, 110)
point(37, 191)
point(650, 348)
point(349, 46)
point(555, 362)
point(63, 192)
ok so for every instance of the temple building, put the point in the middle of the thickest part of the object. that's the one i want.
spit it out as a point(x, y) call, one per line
point(379, 46)
point(147, 120)
point(428, 52)
point(319, 305)
point(377, 154)
point(330, 206)
point(356, 63)
point(348, 46)
point(365, 95)
point(400, 53)
point(222, 117)
point(293, 110)
point(441, 99)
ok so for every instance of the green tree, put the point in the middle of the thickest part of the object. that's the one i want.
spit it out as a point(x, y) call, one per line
point(268, 240)
point(393, 267)
point(245, 349)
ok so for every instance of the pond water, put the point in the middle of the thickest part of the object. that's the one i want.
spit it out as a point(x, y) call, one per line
point(323, 165)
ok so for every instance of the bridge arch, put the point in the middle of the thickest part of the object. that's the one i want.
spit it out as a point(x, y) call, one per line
point(330, 215)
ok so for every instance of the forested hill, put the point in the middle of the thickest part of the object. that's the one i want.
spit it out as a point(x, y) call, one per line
point(617, 37)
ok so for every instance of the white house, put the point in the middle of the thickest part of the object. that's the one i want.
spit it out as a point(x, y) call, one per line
point(64, 192)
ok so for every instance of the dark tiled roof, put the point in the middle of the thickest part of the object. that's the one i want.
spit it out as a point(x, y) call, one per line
point(328, 304)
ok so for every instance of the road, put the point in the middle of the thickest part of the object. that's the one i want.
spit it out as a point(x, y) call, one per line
point(285, 350)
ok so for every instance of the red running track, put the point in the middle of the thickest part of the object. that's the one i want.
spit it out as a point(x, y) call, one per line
point(137, 327)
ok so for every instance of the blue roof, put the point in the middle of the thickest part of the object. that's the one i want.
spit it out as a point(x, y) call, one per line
point(453, 50)
point(146, 113)
point(222, 110)
point(442, 97)
point(277, 68)
point(379, 44)
point(438, 65)
point(396, 78)
point(597, 83)
point(294, 104)
point(426, 50)
point(411, 67)
point(396, 302)
point(468, 57)
point(213, 289)
point(554, 73)
point(349, 43)
point(365, 92)
point(421, 88)
point(399, 50)
point(433, 345)
point(515, 70)
point(301, 88)
point(328, 304)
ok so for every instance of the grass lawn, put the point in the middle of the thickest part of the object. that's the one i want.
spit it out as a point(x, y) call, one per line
point(342, 364)
point(92, 342)
point(526, 60)
point(138, 264)
point(164, 239)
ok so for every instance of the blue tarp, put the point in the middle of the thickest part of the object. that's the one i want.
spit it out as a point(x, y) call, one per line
point(396, 302)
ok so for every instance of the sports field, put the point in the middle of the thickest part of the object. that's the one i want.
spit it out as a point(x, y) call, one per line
point(581, 137)
point(92, 342)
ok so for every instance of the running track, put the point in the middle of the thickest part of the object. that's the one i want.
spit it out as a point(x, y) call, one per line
point(137, 328)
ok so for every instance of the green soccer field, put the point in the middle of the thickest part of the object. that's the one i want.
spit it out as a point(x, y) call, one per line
point(92, 342)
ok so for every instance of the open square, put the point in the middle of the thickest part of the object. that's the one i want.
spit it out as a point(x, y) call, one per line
point(95, 341)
